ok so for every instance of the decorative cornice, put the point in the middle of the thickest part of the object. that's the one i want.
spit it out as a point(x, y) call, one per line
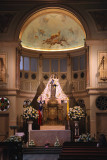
point(9, 43)
point(97, 91)
point(8, 92)
point(96, 42)
point(25, 94)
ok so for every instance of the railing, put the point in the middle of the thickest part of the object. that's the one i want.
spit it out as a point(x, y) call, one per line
point(3, 137)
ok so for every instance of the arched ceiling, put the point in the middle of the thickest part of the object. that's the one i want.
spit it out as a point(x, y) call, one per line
point(52, 29)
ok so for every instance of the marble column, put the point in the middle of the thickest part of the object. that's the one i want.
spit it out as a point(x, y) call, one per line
point(29, 128)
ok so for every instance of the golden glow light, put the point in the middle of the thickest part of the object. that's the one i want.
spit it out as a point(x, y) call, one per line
point(53, 50)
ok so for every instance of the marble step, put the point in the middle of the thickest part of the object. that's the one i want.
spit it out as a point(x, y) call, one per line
point(38, 150)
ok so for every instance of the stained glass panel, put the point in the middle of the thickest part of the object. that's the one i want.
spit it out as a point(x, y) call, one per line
point(4, 104)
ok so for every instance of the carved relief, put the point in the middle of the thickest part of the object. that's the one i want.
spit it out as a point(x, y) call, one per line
point(82, 85)
point(102, 68)
point(5, 19)
point(27, 86)
point(100, 19)
point(68, 87)
point(2, 68)
point(75, 84)
point(33, 86)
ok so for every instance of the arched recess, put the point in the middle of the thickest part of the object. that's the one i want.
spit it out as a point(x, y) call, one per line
point(52, 37)
point(52, 29)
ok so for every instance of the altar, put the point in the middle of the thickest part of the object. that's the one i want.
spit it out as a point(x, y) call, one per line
point(41, 137)
point(54, 103)
point(53, 110)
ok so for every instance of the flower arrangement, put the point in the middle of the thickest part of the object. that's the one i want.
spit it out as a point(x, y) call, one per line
point(86, 138)
point(76, 113)
point(29, 113)
point(31, 143)
point(13, 139)
point(57, 144)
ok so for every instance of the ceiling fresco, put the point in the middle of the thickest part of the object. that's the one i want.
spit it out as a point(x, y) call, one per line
point(52, 29)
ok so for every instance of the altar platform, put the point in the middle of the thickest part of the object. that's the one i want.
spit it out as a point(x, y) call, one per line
point(41, 137)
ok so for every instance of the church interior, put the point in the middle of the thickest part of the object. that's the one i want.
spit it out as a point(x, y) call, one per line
point(53, 60)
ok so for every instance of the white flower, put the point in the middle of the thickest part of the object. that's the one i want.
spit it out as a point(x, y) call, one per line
point(30, 112)
point(76, 113)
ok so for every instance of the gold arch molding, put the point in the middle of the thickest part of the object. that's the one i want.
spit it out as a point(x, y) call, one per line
point(52, 29)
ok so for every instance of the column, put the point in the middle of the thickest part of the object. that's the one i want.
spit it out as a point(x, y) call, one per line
point(29, 128)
